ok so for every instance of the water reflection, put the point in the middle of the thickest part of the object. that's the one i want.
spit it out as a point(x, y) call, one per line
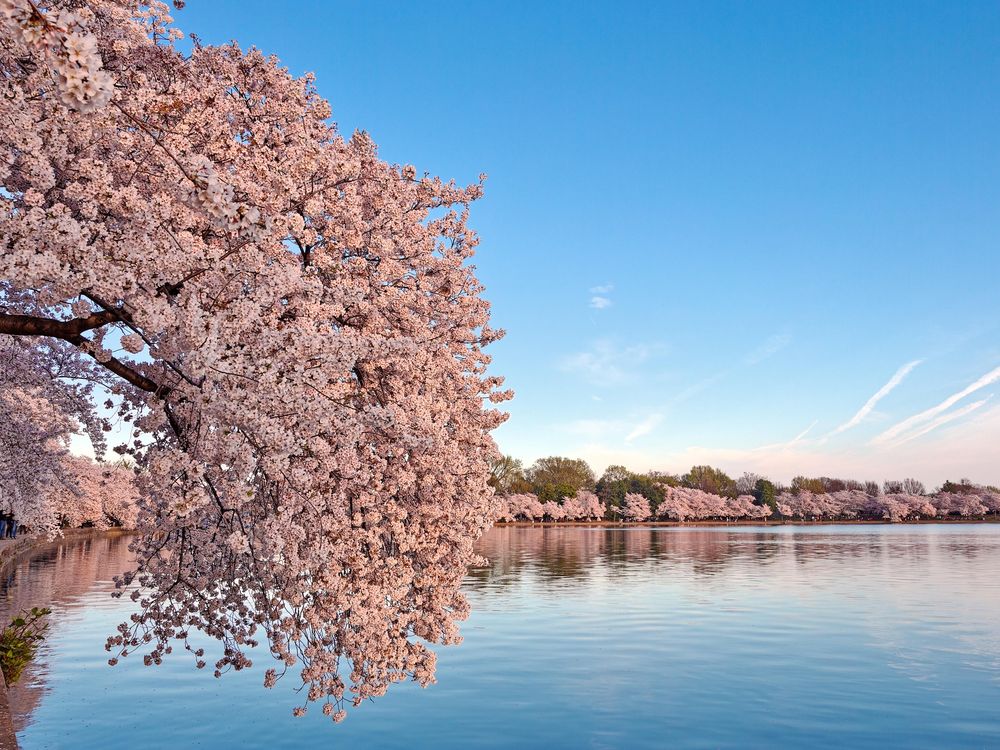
point(557, 553)
point(57, 575)
point(839, 636)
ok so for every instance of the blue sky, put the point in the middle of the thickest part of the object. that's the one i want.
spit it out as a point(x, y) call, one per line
point(713, 231)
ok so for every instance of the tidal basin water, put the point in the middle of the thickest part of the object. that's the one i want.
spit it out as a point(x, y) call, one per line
point(832, 636)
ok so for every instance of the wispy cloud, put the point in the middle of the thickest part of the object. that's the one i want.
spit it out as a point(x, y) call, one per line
point(969, 451)
point(787, 444)
point(695, 388)
point(881, 393)
point(917, 419)
point(801, 436)
point(644, 427)
point(944, 419)
point(600, 299)
point(769, 348)
point(607, 364)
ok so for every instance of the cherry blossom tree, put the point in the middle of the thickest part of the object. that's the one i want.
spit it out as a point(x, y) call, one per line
point(689, 504)
point(290, 323)
point(636, 507)
point(990, 498)
point(524, 506)
point(45, 397)
point(33, 444)
point(572, 508)
point(591, 507)
point(674, 504)
point(959, 504)
point(97, 494)
point(553, 511)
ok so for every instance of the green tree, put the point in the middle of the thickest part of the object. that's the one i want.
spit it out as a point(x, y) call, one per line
point(765, 493)
point(710, 479)
point(617, 481)
point(664, 478)
point(507, 475)
point(962, 487)
point(557, 477)
point(816, 486)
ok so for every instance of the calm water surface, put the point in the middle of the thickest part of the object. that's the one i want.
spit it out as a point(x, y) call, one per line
point(836, 636)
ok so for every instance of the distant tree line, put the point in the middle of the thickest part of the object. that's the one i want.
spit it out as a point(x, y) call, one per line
point(559, 488)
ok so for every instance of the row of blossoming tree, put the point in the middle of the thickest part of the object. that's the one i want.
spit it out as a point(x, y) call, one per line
point(288, 327)
point(687, 504)
point(42, 485)
point(558, 489)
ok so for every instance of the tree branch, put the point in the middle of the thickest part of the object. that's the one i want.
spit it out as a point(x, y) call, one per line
point(29, 325)
point(71, 330)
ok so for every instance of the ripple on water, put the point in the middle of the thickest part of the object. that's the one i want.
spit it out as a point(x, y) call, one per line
point(854, 636)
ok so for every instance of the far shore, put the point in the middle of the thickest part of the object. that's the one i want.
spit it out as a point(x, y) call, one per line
point(751, 522)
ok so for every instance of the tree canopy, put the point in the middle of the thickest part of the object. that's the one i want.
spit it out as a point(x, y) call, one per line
point(289, 322)
point(556, 477)
point(710, 479)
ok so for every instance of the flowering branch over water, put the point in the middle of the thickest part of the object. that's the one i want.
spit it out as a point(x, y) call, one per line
point(289, 323)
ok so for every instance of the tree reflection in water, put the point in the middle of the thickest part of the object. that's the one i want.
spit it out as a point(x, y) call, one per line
point(557, 553)
point(720, 610)
point(57, 575)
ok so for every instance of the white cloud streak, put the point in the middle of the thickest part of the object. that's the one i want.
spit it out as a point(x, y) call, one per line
point(881, 393)
point(917, 419)
point(606, 364)
point(788, 444)
point(804, 432)
point(600, 303)
point(644, 427)
point(943, 420)
point(769, 348)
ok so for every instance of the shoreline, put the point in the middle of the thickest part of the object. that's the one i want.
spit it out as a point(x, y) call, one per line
point(9, 556)
point(747, 523)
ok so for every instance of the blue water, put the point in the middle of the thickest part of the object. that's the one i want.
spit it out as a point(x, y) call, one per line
point(834, 636)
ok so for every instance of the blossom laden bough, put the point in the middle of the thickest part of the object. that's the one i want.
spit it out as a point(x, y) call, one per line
point(289, 323)
point(63, 42)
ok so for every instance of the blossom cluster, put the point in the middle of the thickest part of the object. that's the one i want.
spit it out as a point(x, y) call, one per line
point(101, 495)
point(67, 47)
point(217, 200)
point(636, 507)
point(691, 504)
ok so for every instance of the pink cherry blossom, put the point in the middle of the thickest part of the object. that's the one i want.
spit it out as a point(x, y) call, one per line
point(636, 507)
point(290, 324)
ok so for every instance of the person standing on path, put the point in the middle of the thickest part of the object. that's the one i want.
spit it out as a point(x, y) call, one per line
point(12, 528)
point(3, 525)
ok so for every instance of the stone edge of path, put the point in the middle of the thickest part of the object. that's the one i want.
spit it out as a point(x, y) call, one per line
point(9, 555)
